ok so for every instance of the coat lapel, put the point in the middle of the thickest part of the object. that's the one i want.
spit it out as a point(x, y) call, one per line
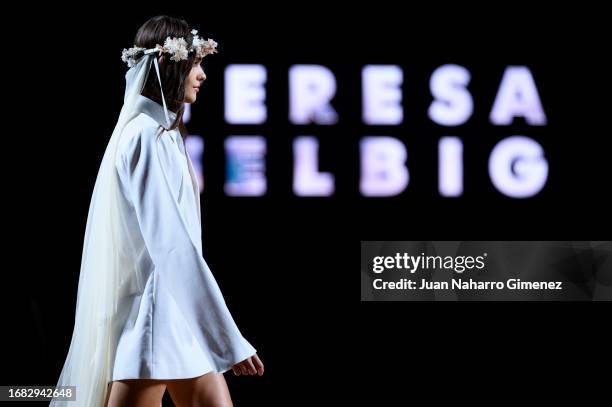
point(194, 184)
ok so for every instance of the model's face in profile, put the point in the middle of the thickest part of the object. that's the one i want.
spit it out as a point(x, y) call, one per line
point(194, 79)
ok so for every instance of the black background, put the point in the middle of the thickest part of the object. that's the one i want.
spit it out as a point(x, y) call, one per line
point(286, 264)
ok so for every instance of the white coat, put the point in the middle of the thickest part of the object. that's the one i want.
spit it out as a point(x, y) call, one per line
point(173, 322)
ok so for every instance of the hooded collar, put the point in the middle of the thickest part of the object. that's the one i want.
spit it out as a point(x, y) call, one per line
point(155, 111)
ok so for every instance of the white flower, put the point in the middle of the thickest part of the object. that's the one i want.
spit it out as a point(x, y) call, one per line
point(129, 55)
point(204, 48)
point(197, 41)
point(210, 47)
point(194, 32)
point(177, 47)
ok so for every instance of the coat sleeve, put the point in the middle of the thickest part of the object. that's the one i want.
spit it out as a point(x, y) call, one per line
point(178, 263)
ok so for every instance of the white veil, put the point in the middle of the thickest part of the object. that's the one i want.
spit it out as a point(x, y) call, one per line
point(105, 270)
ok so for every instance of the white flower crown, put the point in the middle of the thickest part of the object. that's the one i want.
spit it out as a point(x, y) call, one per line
point(177, 47)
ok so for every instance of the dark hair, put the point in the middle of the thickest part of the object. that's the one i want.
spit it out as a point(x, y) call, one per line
point(172, 73)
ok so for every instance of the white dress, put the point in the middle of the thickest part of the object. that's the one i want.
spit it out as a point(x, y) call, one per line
point(173, 322)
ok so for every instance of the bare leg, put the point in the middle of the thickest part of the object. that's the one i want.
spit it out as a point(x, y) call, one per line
point(136, 393)
point(209, 390)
